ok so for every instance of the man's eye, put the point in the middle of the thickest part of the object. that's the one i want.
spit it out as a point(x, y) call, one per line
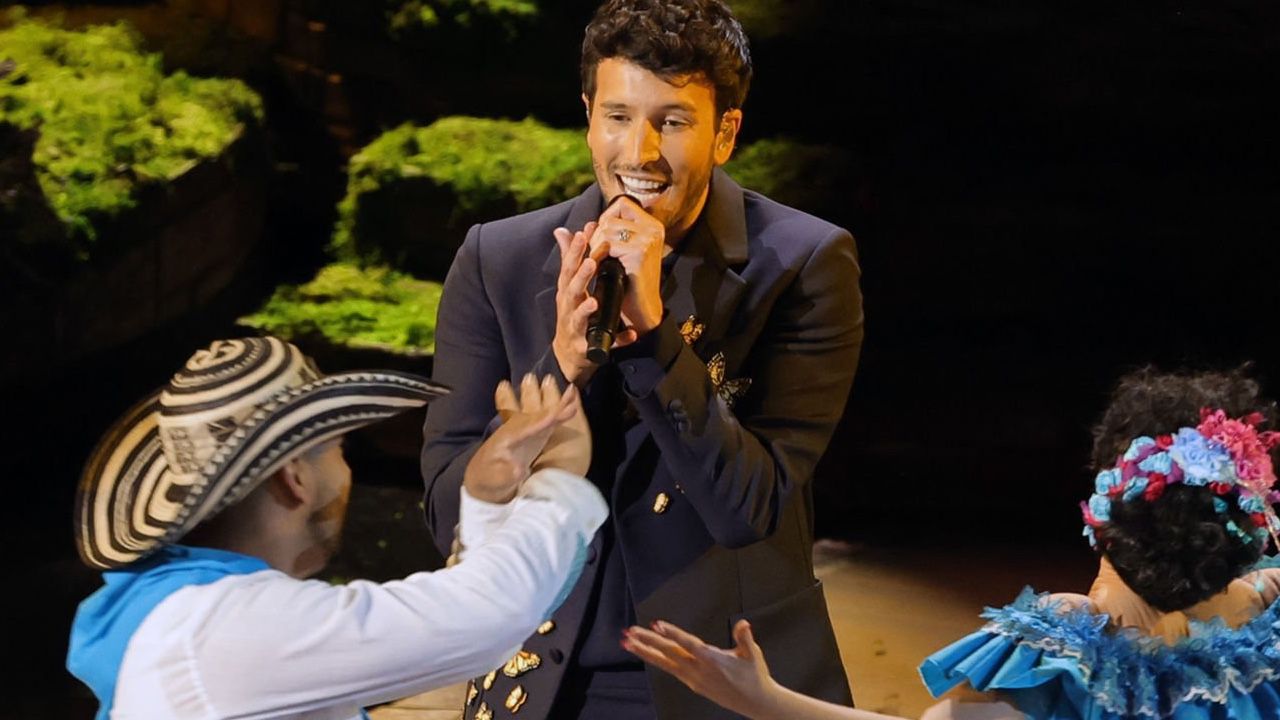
point(674, 123)
point(617, 118)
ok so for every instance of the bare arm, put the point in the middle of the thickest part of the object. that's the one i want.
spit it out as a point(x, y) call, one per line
point(738, 679)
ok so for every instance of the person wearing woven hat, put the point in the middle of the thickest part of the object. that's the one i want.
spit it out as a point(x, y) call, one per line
point(208, 504)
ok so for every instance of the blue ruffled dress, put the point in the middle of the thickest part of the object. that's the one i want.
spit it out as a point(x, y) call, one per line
point(1070, 665)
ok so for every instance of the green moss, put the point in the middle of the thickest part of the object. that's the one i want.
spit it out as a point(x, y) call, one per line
point(412, 192)
point(404, 14)
point(487, 167)
point(770, 18)
point(109, 119)
point(790, 172)
point(358, 307)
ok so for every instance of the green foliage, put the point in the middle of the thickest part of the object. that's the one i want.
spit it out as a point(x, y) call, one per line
point(357, 307)
point(770, 18)
point(788, 171)
point(109, 119)
point(404, 14)
point(488, 167)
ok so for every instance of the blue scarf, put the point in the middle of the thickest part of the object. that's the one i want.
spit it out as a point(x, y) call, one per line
point(107, 619)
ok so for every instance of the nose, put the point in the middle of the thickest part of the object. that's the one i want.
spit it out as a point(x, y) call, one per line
point(643, 144)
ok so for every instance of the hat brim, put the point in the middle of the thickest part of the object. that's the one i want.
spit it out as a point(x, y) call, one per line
point(130, 502)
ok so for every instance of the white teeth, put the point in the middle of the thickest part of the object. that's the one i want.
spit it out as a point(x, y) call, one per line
point(639, 186)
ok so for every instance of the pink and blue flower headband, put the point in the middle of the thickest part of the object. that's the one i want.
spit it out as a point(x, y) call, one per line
point(1226, 455)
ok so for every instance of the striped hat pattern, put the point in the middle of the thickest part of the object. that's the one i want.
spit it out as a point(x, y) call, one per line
point(233, 415)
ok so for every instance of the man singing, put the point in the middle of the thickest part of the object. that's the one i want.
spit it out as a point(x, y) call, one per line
point(742, 327)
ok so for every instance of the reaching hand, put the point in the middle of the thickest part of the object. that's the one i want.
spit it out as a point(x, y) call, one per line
point(737, 679)
point(569, 447)
point(505, 459)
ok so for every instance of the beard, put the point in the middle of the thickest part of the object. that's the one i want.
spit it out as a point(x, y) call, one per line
point(325, 527)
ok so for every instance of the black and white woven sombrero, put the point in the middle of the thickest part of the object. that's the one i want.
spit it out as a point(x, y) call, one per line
point(233, 415)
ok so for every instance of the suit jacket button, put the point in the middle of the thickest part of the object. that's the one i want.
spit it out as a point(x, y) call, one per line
point(556, 656)
point(591, 554)
point(661, 502)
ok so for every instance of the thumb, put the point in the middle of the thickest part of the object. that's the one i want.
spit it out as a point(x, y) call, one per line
point(745, 642)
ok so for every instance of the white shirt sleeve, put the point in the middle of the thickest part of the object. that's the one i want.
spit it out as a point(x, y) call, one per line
point(266, 645)
point(478, 521)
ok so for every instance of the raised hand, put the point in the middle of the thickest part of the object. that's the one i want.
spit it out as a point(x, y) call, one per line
point(506, 458)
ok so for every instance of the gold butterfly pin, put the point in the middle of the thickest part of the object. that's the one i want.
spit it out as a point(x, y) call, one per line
point(521, 663)
point(691, 329)
point(729, 390)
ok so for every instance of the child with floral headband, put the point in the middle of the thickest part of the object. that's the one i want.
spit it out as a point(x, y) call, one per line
point(1180, 623)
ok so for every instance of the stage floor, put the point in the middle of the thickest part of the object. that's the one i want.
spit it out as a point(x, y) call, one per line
point(891, 607)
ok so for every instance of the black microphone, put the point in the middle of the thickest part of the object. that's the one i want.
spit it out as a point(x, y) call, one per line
point(610, 286)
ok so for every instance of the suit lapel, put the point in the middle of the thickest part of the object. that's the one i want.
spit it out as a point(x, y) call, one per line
point(703, 282)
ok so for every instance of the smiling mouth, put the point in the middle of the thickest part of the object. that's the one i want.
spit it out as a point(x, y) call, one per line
point(644, 190)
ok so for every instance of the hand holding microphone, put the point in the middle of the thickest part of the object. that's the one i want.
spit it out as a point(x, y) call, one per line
point(632, 238)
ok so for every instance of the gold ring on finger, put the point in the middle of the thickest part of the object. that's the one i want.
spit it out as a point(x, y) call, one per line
point(624, 235)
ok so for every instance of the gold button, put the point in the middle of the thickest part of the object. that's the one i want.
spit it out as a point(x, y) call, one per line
point(472, 692)
point(521, 663)
point(661, 502)
point(516, 698)
point(483, 712)
point(546, 627)
point(488, 679)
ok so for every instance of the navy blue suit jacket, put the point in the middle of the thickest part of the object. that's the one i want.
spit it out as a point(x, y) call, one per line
point(777, 291)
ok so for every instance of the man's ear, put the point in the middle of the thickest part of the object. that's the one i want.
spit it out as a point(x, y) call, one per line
point(288, 486)
point(727, 135)
point(586, 105)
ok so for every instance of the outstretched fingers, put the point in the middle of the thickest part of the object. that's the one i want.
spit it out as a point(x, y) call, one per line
point(691, 644)
point(504, 400)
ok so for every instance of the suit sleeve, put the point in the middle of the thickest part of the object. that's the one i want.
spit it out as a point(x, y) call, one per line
point(470, 360)
point(738, 467)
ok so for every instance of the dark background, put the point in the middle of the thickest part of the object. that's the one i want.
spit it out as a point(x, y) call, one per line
point(1044, 195)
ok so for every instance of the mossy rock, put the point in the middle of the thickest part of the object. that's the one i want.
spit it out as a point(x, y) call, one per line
point(765, 19)
point(345, 305)
point(812, 178)
point(185, 247)
point(405, 14)
point(413, 192)
point(110, 123)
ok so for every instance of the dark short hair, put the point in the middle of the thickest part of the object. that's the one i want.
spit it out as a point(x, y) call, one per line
point(1177, 550)
point(672, 38)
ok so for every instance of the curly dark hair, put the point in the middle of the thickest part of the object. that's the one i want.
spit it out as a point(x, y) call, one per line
point(672, 39)
point(1178, 550)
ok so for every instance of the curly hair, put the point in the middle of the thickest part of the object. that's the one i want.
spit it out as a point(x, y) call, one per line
point(672, 39)
point(1177, 550)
